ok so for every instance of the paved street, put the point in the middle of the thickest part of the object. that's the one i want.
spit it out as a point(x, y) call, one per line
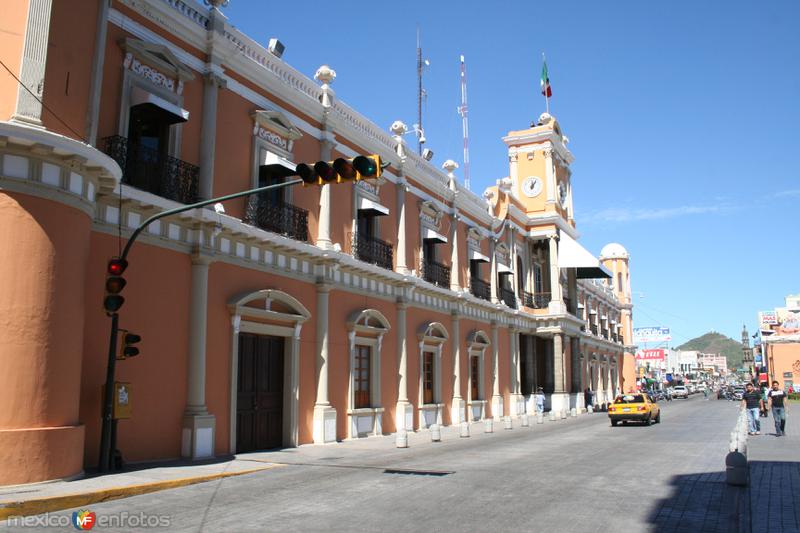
point(570, 475)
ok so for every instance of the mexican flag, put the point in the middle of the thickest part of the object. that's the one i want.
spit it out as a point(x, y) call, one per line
point(545, 82)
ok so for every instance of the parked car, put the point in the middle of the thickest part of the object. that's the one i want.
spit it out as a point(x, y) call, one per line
point(634, 408)
point(680, 391)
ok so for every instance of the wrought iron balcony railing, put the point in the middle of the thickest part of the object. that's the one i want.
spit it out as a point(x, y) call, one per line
point(372, 250)
point(436, 273)
point(150, 170)
point(480, 288)
point(285, 219)
point(508, 297)
point(594, 329)
point(536, 300)
point(604, 334)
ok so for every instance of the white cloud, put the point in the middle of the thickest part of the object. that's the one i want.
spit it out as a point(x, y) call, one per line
point(787, 193)
point(625, 214)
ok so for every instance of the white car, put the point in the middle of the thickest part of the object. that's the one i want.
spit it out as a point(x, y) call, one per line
point(680, 391)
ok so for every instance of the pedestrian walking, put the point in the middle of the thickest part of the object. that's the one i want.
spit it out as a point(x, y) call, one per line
point(777, 404)
point(540, 400)
point(587, 398)
point(751, 400)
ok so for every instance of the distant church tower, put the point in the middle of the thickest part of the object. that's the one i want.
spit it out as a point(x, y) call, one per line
point(747, 359)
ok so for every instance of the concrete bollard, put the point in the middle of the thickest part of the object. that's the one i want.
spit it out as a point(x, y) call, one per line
point(464, 429)
point(736, 470)
point(573, 412)
point(563, 414)
point(507, 423)
point(524, 420)
point(540, 418)
point(488, 426)
point(590, 409)
point(436, 433)
point(401, 439)
point(552, 416)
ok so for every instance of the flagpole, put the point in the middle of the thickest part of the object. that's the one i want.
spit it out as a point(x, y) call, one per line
point(546, 98)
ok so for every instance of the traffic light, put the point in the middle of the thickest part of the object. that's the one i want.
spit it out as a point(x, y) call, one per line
point(125, 344)
point(114, 285)
point(353, 169)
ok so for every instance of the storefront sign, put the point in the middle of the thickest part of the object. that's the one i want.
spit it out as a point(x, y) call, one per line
point(656, 334)
point(768, 318)
point(650, 355)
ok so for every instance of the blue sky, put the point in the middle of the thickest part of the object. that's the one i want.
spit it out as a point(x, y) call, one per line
point(683, 118)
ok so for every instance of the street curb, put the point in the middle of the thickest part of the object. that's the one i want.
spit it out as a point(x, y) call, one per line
point(58, 503)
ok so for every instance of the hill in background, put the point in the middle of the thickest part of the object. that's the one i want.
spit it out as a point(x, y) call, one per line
point(713, 342)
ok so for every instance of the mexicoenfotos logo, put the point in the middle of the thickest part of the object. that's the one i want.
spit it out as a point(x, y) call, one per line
point(84, 519)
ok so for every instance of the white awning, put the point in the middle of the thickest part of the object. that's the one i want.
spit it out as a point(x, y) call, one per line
point(573, 255)
point(139, 96)
point(474, 255)
point(365, 204)
point(503, 269)
point(430, 235)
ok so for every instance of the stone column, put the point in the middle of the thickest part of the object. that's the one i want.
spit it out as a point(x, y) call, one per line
point(404, 413)
point(402, 267)
point(600, 394)
point(493, 275)
point(324, 414)
point(550, 176)
point(556, 305)
point(327, 144)
point(197, 439)
point(98, 62)
point(455, 265)
point(459, 405)
point(208, 133)
point(34, 61)
point(517, 400)
point(497, 400)
point(560, 398)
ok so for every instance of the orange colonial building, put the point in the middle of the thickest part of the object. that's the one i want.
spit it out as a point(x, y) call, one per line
point(306, 316)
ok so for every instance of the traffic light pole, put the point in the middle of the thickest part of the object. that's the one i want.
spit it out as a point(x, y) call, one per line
point(106, 452)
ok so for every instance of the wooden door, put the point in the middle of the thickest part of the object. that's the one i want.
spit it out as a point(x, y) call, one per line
point(259, 408)
point(427, 377)
point(361, 377)
point(474, 378)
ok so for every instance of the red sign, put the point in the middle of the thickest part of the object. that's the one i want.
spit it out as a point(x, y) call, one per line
point(656, 354)
point(763, 378)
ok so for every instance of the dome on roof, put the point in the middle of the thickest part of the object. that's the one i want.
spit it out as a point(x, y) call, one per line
point(614, 251)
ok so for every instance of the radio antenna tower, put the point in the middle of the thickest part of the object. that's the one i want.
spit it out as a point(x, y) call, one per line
point(462, 110)
point(421, 94)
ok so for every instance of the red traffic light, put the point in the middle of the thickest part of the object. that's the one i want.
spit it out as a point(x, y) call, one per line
point(117, 266)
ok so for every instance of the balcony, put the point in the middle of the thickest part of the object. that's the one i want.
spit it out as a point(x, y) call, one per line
point(536, 300)
point(436, 273)
point(372, 250)
point(604, 334)
point(480, 288)
point(152, 171)
point(508, 297)
point(594, 329)
point(282, 218)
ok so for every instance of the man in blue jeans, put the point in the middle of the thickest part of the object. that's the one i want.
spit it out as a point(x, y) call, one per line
point(778, 406)
point(751, 400)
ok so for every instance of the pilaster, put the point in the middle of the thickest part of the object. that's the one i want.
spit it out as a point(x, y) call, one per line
point(497, 400)
point(34, 61)
point(458, 405)
point(324, 426)
point(556, 305)
point(208, 132)
point(404, 412)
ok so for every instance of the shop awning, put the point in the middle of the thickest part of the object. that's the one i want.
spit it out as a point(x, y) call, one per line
point(430, 235)
point(372, 208)
point(175, 113)
point(573, 255)
point(474, 255)
point(503, 269)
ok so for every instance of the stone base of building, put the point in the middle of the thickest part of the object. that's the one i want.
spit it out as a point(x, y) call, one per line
point(324, 430)
point(517, 406)
point(404, 416)
point(197, 436)
point(477, 410)
point(559, 403)
point(429, 414)
point(497, 406)
point(40, 454)
point(458, 410)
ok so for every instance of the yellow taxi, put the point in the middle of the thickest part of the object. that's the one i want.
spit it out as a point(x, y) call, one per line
point(634, 406)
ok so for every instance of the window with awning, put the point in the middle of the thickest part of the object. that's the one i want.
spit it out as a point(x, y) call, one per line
point(573, 255)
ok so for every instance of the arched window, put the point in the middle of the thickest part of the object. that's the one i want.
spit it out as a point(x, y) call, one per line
point(477, 342)
point(432, 337)
point(365, 333)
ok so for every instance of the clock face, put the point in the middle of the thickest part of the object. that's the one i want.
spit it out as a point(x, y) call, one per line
point(562, 193)
point(532, 186)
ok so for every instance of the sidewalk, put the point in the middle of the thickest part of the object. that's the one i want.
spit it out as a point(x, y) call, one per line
point(37, 498)
point(26, 500)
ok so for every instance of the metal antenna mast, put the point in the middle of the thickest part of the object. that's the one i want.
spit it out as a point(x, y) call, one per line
point(420, 92)
point(462, 110)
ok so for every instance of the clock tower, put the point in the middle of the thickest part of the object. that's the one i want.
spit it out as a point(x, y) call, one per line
point(539, 169)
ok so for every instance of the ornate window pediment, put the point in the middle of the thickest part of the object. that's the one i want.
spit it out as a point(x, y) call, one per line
point(430, 213)
point(276, 129)
point(433, 333)
point(156, 63)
